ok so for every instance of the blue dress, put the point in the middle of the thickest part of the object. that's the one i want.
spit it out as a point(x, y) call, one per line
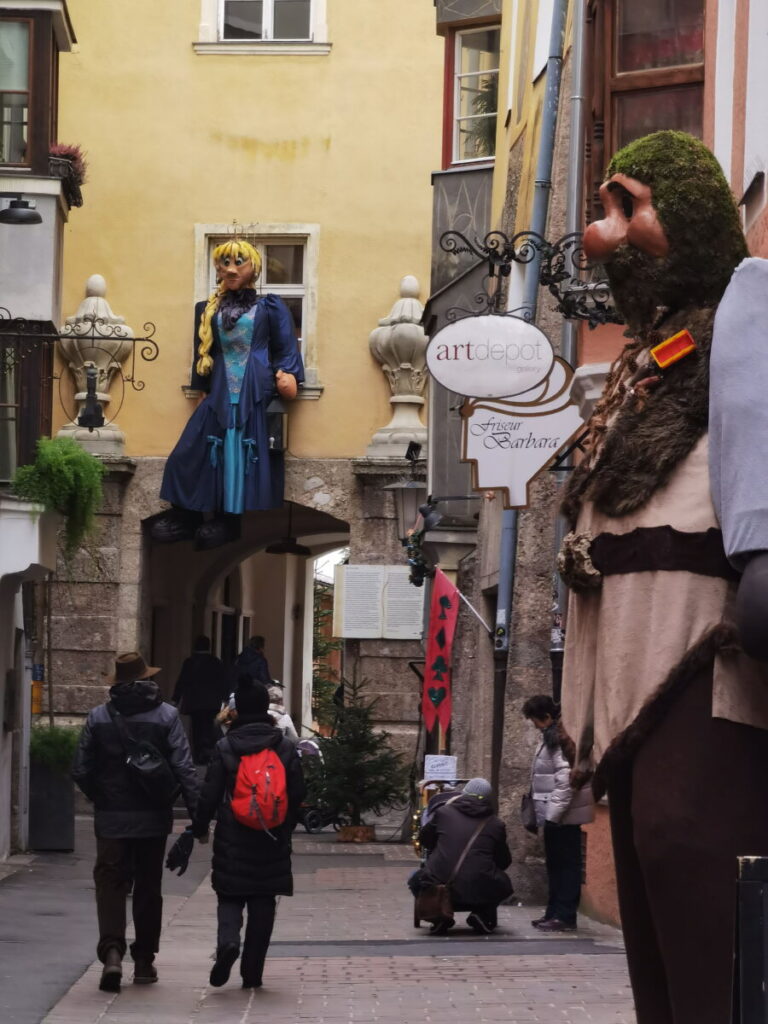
point(223, 462)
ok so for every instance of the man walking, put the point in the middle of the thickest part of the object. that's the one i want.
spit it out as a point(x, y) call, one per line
point(200, 691)
point(131, 829)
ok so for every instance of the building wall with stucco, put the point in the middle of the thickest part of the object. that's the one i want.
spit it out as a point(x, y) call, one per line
point(177, 136)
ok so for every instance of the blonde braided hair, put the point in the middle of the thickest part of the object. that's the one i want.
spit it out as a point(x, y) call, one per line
point(236, 248)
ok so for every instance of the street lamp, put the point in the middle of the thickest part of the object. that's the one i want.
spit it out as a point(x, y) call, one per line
point(18, 211)
point(408, 495)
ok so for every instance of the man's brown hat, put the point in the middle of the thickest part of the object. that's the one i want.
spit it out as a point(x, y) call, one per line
point(129, 667)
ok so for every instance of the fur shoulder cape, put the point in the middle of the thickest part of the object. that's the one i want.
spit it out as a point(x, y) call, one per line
point(649, 438)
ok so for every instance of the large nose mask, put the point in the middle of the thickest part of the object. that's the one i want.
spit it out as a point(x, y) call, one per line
point(630, 219)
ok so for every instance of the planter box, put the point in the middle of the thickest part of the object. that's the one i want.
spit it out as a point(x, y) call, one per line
point(51, 809)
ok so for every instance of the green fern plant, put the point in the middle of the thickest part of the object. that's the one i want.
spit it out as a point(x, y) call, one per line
point(65, 479)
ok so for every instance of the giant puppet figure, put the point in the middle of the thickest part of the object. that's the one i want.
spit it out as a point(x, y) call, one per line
point(246, 352)
point(668, 565)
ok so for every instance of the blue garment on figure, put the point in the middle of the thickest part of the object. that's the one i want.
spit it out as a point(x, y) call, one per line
point(222, 461)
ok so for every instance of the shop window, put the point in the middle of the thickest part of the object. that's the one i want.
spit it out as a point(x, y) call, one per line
point(475, 94)
point(15, 38)
point(647, 75)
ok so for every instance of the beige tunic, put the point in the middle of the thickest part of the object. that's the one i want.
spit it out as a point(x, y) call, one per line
point(624, 638)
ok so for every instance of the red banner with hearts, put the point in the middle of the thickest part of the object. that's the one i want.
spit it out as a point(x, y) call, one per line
point(443, 611)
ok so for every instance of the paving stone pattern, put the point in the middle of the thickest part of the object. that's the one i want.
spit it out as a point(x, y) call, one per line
point(345, 951)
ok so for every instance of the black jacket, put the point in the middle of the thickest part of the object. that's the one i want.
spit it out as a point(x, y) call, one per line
point(252, 663)
point(202, 684)
point(248, 862)
point(121, 809)
point(482, 879)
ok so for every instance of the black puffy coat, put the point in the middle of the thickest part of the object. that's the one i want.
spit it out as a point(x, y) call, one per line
point(482, 879)
point(246, 861)
point(122, 811)
point(202, 684)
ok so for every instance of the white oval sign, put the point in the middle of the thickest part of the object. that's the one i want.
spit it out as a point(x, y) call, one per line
point(490, 356)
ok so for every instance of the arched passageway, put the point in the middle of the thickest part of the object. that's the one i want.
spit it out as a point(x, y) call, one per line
point(240, 590)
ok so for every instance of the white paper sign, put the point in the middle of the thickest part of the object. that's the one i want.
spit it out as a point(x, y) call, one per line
point(510, 443)
point(372, 602)
point(490, 356)
point(440, 767)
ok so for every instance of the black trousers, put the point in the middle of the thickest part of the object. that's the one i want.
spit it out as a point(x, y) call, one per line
point(682, 811)
point(201, 738)
point(258, 931)
point(120, 865)
point(562, 853)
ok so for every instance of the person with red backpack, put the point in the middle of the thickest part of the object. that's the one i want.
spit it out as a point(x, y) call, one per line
point(254, 787)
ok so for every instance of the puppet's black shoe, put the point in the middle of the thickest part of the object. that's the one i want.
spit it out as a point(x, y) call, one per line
point(175, 525)
point(225, 957)
point(213, 534)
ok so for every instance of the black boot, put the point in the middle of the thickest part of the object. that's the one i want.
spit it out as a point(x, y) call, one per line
point(225, 957)
point(175, 525)
point(112, 974)
point(221, 530)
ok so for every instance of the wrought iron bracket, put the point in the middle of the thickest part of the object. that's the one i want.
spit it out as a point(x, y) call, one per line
point(580, 288)
point(26, 335)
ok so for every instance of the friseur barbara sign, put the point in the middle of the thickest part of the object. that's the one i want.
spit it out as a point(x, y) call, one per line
point(490, 356)
point(518, 414)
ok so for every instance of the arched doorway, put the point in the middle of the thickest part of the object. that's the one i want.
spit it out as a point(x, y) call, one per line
point(240, 590)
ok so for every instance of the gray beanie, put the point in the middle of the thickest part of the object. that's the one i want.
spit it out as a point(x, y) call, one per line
point(480, 788)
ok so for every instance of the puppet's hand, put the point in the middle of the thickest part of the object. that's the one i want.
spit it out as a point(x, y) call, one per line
point(752, 607)
point(286, 384)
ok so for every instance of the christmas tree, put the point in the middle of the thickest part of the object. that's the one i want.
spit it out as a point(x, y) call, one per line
point(360, 773)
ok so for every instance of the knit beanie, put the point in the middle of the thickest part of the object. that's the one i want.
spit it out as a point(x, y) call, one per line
point(252, 699)
point(480, 788)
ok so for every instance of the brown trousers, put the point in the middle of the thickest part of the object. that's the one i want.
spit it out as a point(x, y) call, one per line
point(122, 866)
point(692, 801)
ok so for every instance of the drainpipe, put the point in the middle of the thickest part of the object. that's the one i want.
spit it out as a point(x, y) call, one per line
point(542, 189)
point(574, 213)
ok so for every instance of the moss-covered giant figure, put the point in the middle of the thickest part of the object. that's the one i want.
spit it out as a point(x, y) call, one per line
point(667, 711)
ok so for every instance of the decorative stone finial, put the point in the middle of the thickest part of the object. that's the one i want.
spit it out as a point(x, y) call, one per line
point(399, 344)
point(95, 336)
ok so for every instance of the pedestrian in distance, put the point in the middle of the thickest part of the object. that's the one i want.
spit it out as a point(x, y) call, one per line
point(467, 822)
point(200, 690)
point(282, 719)
point(254, 788)
point(560, 813)
point(131, 822)
point(253, 661)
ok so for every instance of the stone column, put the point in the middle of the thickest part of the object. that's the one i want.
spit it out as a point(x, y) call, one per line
point(95, 337)
point(399, 344)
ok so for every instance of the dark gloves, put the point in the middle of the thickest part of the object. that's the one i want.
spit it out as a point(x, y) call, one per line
point(180, 852)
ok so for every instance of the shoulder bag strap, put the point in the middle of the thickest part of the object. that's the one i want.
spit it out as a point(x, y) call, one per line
point(122, 732)
point(480, 826)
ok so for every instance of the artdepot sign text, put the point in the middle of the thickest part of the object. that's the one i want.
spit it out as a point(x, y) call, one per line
point(490, 356)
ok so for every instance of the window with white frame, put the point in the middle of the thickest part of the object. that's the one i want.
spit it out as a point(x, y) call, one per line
point(282, 273)
point(475, 95)
point(265, 19)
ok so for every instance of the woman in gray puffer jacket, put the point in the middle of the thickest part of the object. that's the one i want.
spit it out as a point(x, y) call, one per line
point(560, 813)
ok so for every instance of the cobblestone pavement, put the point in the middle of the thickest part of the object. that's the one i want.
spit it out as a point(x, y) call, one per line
point(345, 950)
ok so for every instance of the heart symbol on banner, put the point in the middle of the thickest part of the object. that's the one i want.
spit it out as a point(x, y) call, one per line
point(437, 694)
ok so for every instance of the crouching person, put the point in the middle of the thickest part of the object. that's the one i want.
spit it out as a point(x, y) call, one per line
point(468, 851)
point(254, 787)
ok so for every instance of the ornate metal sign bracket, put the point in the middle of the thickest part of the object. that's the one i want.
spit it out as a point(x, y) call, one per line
point(581, 291)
